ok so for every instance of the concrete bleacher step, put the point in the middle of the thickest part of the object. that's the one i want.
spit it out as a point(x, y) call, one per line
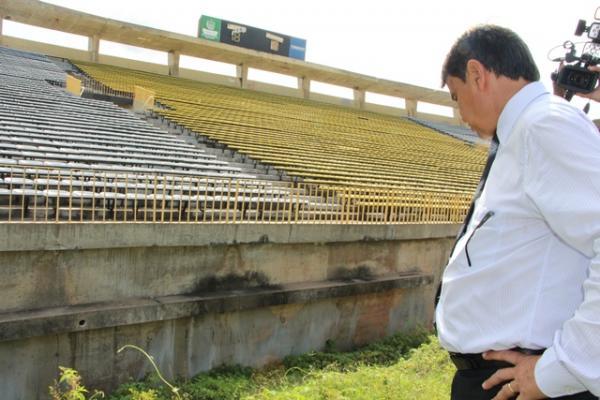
point(222, 152)
point(73, 203)
point(320, 215)
point(159, 216)
point(221, 214)
point(13, 212)
point(321, 206)
point(41, 213)
point(119, 214)
point(19, 213)
point(6, 200)
point(21, 197)
point(308, 198)
point(193, 215)
point(375, 216)
point(42, 125)
point(83, 214)
point(270, 216)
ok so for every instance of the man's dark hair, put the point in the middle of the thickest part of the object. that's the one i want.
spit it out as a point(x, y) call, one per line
point(500, 50)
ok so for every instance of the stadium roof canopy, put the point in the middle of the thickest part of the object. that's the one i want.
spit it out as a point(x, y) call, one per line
point(63, 19)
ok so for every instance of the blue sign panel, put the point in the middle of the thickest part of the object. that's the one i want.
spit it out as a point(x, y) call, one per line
point(297, 48)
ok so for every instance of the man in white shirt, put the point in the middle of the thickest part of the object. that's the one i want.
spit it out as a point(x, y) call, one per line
point(519, 309)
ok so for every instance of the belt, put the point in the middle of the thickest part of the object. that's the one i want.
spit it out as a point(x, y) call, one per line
point(476, 361)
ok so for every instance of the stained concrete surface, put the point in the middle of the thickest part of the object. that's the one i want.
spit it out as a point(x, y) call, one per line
point(50, 271)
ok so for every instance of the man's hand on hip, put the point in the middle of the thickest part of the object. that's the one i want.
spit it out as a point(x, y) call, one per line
point(519, 381)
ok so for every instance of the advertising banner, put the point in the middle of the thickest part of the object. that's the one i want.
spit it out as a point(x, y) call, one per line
point(223, 31)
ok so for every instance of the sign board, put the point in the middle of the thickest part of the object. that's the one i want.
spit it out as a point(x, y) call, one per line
point(220, 30)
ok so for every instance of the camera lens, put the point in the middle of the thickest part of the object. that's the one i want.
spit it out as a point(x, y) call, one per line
point(577, 79)
point(580, 80)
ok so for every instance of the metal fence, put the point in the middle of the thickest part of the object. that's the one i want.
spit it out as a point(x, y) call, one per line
point(45, 194)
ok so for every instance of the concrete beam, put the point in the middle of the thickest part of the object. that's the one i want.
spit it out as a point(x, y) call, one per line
point(45, 237)
point(93, 47)
point(242, 75)
point(143, 99)
point(173, 63)
point(359, 98)
point(73, 85)
point(411, 107)
point(304, 87)
point(52, 321)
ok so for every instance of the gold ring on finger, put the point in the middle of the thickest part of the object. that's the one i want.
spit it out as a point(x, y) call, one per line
point(510, 388)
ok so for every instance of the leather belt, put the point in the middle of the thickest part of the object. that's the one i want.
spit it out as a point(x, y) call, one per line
point(476, 361)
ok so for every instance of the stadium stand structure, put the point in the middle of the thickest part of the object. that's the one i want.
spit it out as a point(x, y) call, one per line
point(77, 159)
point(360, 165)
point(60, 150)
point(210, 220)
point(312, 140)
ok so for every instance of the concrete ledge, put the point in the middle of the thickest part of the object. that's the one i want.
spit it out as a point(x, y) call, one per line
point(25, 324)
point(74, 236)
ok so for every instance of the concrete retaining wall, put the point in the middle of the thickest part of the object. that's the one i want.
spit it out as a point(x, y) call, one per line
point(197, 296)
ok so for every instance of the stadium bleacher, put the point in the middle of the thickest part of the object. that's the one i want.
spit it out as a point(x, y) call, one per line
point(319, 142)
point(71, 158)
point(55, 146)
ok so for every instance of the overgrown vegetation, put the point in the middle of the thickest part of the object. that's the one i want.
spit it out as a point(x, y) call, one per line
point(403, 366)
point(385, 352)
point(69, 387)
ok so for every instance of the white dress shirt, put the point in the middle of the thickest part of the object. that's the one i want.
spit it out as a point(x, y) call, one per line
point(534, 247)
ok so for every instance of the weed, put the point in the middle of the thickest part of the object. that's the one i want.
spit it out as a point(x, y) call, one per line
point(69, 387)
point(404, 366)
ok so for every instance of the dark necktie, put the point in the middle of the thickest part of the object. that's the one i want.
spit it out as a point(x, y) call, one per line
point(486, 171)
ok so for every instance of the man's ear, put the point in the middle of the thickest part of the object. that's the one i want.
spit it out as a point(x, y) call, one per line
point(476, 72)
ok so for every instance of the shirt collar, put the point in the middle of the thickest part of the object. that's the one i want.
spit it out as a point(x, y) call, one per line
point(515, 106)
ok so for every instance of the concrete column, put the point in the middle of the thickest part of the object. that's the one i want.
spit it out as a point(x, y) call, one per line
point(242, 75)
point(173, 63)
point(94, 47)
point(1, 33)
point(359, 98)
point(411, 107)
point(73, 85)
point(143, 99)
point(304, 87)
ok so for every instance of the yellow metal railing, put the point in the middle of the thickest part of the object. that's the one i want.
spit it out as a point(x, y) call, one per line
point(45, 194)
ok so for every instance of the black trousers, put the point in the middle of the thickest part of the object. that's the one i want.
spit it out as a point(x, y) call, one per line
point(467, 386)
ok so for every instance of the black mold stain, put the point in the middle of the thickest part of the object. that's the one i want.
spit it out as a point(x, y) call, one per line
point(361, 272)
point(250, 280)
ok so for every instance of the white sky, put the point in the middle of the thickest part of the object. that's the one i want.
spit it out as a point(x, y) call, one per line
point(404, 41)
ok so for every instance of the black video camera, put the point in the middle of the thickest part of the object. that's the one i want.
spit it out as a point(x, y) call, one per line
point(575, 77)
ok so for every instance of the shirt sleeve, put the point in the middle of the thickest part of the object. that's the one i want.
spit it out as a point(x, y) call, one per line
point(562, 179)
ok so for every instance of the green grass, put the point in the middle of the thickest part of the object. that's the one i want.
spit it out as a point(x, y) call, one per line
point(425, 374)
point(401, 367)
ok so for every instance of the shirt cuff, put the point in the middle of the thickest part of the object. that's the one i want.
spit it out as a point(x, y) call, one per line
point(553, 379)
